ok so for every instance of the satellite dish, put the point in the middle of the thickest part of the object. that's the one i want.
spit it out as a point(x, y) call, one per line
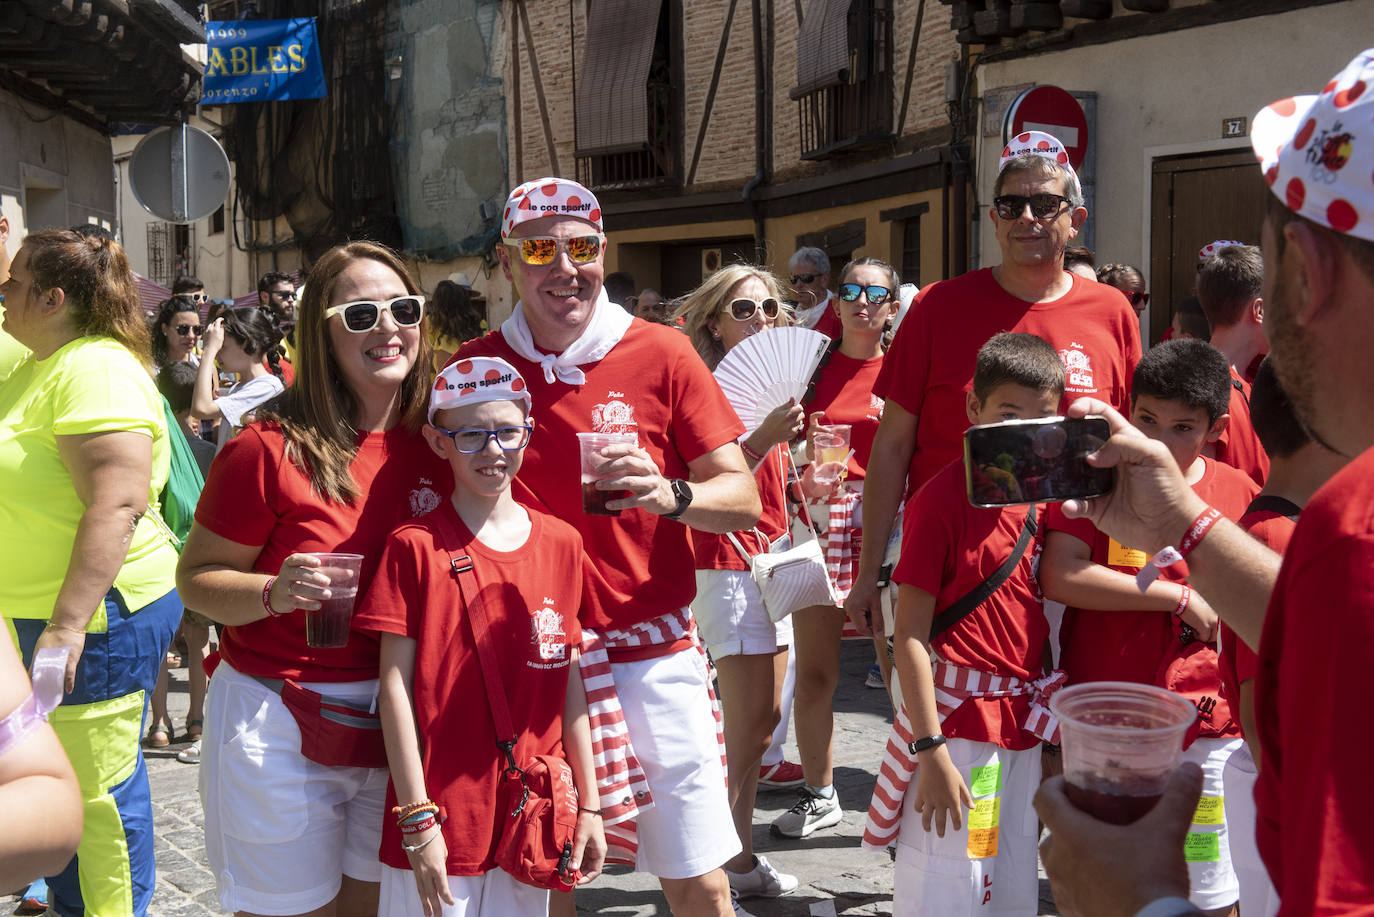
point(179, 174)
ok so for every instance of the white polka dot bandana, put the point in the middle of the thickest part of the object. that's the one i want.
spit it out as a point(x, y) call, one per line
point(1317, 152)
point(475, 380)
point(1211, 248)
point(1037, 143)
point(550, 197)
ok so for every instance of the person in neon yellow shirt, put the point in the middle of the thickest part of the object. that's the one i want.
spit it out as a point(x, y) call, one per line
point(11, 351)
point(84, 452)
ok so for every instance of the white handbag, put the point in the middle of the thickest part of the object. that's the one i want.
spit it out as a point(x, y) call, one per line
point(792, 578)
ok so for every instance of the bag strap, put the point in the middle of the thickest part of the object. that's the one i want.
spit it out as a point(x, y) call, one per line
point(984, 590)
point(1274, 504)
point(461, 565)
point(739, 546)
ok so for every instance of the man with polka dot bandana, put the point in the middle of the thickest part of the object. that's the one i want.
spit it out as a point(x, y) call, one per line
point(1311, 614)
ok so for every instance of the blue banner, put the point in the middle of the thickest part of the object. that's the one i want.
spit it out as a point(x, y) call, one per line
point(262, 60)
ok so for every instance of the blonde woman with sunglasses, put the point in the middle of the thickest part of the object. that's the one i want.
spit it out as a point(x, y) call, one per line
point(333, 466)
point(749, 650)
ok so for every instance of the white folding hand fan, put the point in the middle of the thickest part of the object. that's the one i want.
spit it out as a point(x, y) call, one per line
point(765, 369)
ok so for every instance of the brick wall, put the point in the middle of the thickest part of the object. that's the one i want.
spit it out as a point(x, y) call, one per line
point(728, 148)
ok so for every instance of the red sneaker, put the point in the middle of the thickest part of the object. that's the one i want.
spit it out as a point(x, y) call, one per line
point(781, 775)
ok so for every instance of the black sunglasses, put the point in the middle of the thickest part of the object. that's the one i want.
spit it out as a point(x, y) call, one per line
point(188, 329)
point(1043, 205)
point(1138, 298)
point(877, 295)
point(474, 439)
point(742, 310)
point(804, 278)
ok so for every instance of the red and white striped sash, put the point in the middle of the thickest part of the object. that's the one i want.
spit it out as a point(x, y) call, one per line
point(953, 686)
point(842, 541)
point(620, 777)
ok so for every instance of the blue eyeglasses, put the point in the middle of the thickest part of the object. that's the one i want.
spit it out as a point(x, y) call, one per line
point(876, 295)
point(475, 439)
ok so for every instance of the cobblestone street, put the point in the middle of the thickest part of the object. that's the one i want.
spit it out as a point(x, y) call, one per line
point(837, 876)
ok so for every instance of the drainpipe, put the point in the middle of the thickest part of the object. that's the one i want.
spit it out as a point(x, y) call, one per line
point(763, 134)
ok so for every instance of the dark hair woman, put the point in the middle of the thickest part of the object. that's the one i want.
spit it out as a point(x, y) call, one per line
point(866, 304)
point(457, 314)
point(84, 452)
point(175, 331)
point(336, 465)
point(242, 341)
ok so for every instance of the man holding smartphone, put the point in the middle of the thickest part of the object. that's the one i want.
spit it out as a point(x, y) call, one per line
point(1037, 210)
point(1313, 828)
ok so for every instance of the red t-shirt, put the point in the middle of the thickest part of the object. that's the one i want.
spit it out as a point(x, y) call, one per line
point(957, 548)
point(1135, 645)
point(653, 383)
point(1239, 663)
point(256, 496)
point(1239, 446)
point(844, 392)
point(829, 323)
point(929, 367)
point(716, 552)
point(1314, 829)
point(531, 596)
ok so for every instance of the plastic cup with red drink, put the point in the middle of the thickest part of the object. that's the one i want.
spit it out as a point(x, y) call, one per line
point(329, 625)
point(591, 448)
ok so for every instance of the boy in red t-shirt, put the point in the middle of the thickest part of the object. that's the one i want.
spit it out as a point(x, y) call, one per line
point(1163, 635)
point(441, 738)
point(969, 748)
point(1298, 467)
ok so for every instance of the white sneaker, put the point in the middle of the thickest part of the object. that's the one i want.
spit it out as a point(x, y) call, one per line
point(811, 813)
point(734, 903)
point(763, 881)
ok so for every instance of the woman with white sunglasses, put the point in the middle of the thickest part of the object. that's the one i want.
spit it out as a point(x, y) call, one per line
point(335, 464)
point(748, 649)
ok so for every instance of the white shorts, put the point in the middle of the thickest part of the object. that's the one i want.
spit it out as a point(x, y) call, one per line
point(280, 830)
point(1207, 846)
point(688, 830)
point(994, 870)
point(1257, 894)
point(731, 616)
point(492, 894)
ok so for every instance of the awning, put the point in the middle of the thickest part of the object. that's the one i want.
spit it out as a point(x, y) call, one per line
point(612, 99)
point(823, 46)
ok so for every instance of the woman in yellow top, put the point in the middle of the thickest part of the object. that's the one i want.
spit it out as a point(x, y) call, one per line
point(84, 452)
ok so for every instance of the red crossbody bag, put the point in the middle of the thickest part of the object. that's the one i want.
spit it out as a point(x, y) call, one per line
point(536, 843)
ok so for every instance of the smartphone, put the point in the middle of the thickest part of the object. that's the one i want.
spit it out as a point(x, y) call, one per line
point(1035, 461)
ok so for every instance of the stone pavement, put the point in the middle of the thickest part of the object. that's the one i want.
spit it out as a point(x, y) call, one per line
point(834, 870)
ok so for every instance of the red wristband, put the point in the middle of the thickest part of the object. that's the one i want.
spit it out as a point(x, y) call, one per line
point(744, 447)
point(1198, 530)
point(267, 597)
point(420, 826)
point(1183, 601)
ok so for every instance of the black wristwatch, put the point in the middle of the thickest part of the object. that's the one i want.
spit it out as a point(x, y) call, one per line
point(684, 498)
point(926, 744)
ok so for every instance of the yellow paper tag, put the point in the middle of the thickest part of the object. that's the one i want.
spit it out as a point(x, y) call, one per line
point(986, 814)
point(984, 781)
point(1119, 555)
point(982, 843)
point(1202, 848)
point(1209, 810)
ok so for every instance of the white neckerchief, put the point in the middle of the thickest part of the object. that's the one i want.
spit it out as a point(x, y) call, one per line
point(608, 325)
point(808, 317)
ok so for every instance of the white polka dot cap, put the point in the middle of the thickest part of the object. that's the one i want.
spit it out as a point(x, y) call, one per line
point(1317, 152)
point(550, 197)
point(1211, 248)
point(1036, 143)
point(475, 380)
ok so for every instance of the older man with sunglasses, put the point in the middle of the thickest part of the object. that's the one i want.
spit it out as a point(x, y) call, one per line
point(809, 272)
point(1037, 209)
point(591, 367)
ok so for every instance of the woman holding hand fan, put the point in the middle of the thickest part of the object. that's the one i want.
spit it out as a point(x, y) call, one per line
point(842, 395)
point(749, 650)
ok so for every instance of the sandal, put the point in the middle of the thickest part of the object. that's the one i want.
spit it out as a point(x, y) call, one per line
point(194, 729)
point(159, 737)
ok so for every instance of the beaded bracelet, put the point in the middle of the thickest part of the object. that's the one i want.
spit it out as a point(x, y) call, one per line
point(411, 808)
point(267, 597)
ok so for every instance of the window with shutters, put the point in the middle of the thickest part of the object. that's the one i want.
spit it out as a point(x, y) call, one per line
point(628, 105)
point(844, 75)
